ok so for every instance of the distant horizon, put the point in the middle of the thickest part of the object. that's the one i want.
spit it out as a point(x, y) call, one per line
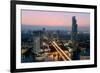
point(54, 19)
point(35, 27)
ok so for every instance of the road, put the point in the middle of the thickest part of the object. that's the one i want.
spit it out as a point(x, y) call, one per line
point(62, 53)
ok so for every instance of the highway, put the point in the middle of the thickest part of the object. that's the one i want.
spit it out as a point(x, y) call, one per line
point(62, 53)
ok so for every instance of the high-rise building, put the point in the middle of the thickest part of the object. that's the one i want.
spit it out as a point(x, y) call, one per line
point(36, 45)
point(74, 29)
point(74, 39)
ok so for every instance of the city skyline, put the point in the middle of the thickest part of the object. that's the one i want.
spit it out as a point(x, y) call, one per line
point(56, 45)
point(61, 28)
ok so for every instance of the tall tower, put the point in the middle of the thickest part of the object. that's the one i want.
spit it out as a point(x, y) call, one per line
point(74, 29)
point(37, 45)
point(74, 39)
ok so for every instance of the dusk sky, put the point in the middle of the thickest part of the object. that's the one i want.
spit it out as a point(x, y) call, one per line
point(50, 18)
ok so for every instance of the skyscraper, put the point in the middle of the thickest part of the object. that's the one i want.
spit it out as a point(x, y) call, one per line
point(74, 29)
point(74, 39)
point(36, 46)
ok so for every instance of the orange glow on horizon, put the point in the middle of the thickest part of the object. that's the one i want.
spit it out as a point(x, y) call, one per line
point(42, 18)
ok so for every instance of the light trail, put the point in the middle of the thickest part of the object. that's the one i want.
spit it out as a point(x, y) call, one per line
point(23, 51)
point(61, 50)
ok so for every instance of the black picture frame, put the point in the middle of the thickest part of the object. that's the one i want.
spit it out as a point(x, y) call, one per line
point(13, 35)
